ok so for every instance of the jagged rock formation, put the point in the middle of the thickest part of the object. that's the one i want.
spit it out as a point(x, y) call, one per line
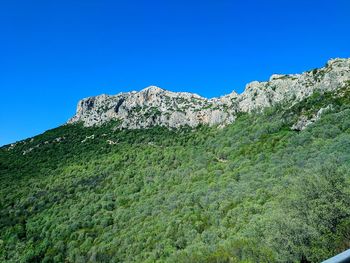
point(304, 121)
point(154, 106)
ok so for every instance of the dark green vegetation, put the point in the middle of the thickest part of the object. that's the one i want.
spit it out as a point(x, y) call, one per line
point(255, 191)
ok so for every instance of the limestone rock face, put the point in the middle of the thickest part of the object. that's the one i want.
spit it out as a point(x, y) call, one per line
point(304, 121)
point(154, 106)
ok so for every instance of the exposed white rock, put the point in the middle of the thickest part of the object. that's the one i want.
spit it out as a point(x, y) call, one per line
point(110, 142)
point(91, 137)
point(155, 106)
point(12, 146)
point(28, 151)
point(31, 149)
point(58, 139)
point(304, 121)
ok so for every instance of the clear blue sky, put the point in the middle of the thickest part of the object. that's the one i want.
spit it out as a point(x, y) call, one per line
point(53, 53)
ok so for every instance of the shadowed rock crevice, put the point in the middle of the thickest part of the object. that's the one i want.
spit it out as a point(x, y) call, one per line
point(119, 103)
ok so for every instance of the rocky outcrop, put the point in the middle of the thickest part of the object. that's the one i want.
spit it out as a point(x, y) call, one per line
point(303, 121)
point(155, 106)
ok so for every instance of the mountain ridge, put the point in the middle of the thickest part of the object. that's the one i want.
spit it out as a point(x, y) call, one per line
point(154, 106)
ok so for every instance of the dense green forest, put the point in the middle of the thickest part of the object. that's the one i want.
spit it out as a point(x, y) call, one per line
point(254, 191)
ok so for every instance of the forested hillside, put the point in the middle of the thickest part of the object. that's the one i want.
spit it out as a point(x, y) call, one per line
point(253, 191)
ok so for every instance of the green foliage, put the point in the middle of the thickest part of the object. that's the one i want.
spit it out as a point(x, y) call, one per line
point(254, 191)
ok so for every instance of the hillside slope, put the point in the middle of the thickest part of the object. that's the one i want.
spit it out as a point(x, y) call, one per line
point(273, 186)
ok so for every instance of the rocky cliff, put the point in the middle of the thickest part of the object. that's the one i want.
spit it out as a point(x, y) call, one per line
point(155, 106)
